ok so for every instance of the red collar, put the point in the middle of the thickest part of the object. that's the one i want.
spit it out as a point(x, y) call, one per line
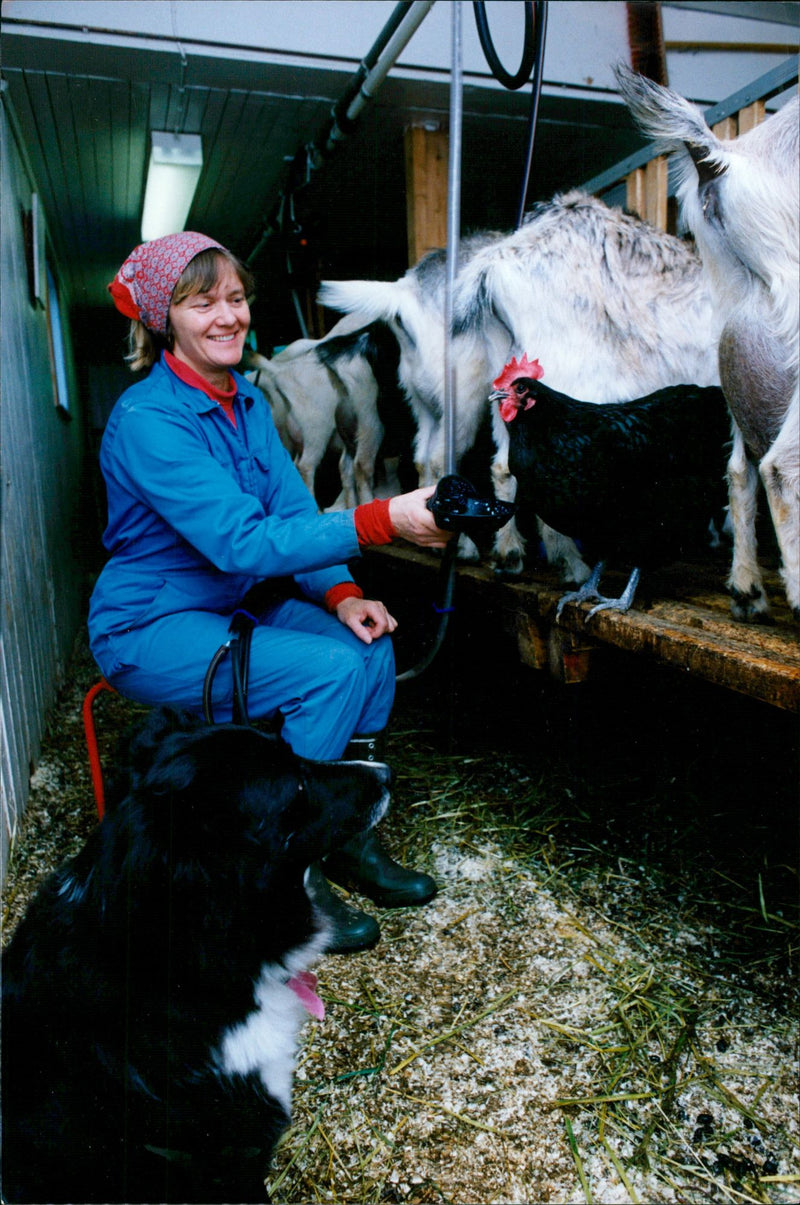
point(190, 377)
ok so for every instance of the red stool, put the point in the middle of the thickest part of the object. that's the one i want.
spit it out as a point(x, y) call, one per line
point(91, 743)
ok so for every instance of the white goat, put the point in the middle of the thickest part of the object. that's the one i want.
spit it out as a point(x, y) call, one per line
point(320, 401)
point(303, 396)
point(741, 200)
point(612, 308)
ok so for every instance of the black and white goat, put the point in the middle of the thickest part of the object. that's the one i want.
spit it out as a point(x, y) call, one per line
point(741, 200)
point(413, 308)
point(614, 307)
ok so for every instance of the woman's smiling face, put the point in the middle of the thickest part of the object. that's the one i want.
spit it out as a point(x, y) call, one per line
point(210, 328)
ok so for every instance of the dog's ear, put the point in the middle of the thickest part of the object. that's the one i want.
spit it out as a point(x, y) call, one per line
point(172, 767)
point(139, 748)
point(178, 775)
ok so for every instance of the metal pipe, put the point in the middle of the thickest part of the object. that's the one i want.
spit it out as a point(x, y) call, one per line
point(408, 26)
point(453, 234)
point(375, 66)
point(448, 567)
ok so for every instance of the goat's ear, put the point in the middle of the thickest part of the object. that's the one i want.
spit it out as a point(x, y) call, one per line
point(662, 114)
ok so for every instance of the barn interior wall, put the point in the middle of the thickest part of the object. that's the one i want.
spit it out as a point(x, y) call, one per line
point(42, 504)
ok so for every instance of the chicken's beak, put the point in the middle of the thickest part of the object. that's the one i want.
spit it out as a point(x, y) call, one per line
point(498, 395)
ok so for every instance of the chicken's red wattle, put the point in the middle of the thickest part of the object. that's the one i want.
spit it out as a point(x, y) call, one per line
point(508, 409)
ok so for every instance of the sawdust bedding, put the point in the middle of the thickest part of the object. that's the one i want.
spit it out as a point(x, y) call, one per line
point(599, 1004)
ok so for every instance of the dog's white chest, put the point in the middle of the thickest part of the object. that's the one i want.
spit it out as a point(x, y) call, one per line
point(266, 1042)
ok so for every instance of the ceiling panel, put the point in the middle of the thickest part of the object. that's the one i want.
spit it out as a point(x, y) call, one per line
point(85, 112)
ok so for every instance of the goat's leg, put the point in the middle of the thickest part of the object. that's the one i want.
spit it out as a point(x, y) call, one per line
point(368, 442)
point(563, 551)
point(509, 543)
point(307, 468)
point(745, 582)
point(780, 472)
point(346, 498)
point(423, 448)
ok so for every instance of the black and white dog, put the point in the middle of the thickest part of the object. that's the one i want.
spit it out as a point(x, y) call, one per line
point(153, 993)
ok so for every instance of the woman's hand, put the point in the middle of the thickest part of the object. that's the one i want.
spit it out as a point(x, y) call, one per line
point(413, 521)
point(367, 617)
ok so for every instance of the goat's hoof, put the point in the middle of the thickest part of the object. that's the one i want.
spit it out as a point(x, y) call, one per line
point(509, 566)
point(751, 607)
point(467, 549)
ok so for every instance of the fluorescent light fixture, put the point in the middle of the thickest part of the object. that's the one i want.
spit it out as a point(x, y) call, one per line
point(176, 161)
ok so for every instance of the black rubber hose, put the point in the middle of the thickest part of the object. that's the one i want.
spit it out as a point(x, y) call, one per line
point(208, 681)
point(512, 82)
point(447, 574)
point(533, 114)
point(240, 649)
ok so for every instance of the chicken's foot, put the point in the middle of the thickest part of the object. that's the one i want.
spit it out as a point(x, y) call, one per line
point(590, 590)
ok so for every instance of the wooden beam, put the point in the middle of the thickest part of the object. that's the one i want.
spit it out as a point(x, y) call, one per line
point(687, 624)
point(426, 190)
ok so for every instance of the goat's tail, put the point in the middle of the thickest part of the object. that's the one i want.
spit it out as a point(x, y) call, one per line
point(375, 300)
point(664, 115)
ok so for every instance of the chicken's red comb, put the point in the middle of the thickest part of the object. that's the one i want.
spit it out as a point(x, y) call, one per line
point(521, 368)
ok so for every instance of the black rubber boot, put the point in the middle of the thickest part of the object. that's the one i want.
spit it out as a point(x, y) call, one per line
point(352, 930)
point(364, 864)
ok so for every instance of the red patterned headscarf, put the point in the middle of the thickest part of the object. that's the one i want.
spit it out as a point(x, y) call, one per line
point(143, 287)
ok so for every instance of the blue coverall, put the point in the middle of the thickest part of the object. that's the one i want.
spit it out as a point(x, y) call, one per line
point(199, 511)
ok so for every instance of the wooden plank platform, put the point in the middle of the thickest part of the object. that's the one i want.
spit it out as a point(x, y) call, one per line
point(686, 623)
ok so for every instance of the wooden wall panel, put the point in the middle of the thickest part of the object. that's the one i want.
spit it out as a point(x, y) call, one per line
point(41, 482)
point(426, 190)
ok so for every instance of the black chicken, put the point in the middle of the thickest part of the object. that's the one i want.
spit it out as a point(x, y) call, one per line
point(635, 482)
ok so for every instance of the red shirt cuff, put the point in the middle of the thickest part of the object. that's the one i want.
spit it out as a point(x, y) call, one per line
point(339, 593)
point(373, 525)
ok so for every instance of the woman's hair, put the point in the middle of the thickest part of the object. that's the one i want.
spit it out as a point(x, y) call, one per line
point(199, 276)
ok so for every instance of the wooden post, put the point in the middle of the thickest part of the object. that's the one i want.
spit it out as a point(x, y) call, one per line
point(655, 184)
point(635, 192)
point(726, 129)
point(751, 116)
point(646, 192)
point(426, 190)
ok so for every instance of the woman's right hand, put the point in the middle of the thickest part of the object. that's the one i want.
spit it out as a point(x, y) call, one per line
point(413, 521)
